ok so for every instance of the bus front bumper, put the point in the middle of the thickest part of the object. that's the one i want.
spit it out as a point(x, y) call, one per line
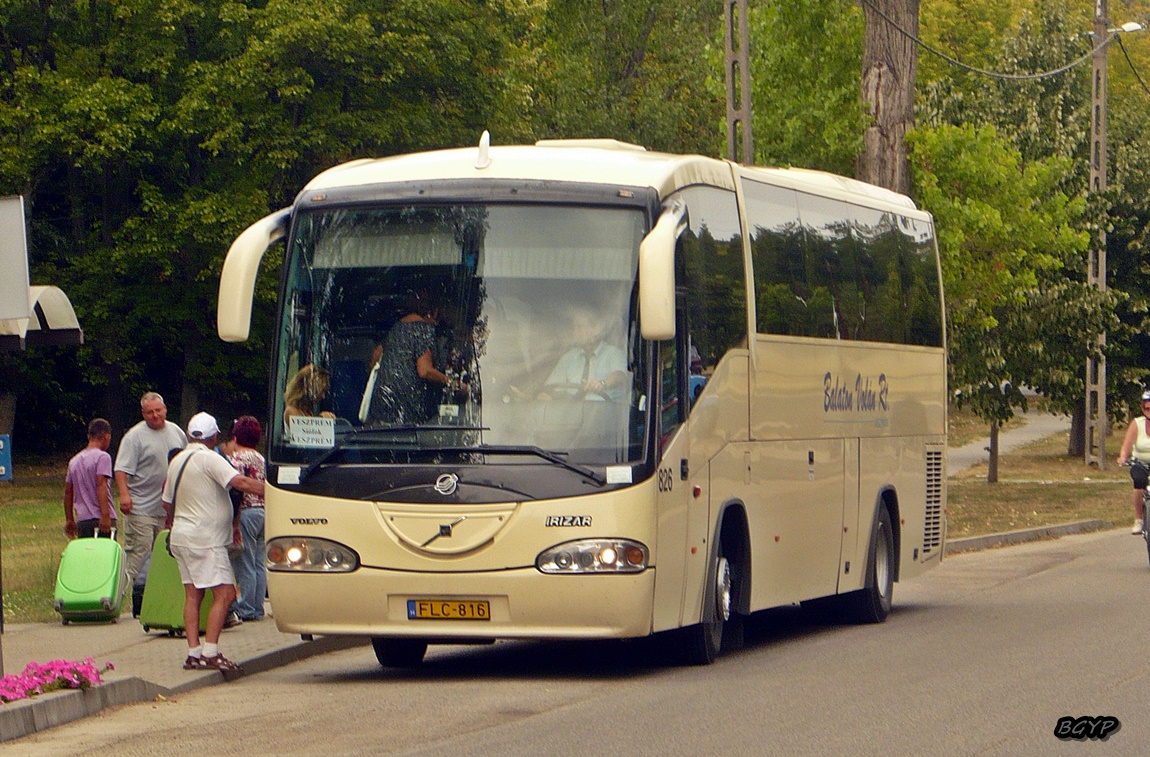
point(520, 604)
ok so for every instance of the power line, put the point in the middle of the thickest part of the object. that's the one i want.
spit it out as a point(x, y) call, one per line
point(984, 72)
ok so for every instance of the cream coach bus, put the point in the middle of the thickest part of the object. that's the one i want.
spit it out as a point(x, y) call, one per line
point(765, 422)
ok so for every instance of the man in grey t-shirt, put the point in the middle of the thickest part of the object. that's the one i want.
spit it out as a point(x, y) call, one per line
point(141, 467)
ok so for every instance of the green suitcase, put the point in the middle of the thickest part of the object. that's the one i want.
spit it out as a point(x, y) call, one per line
point(163, 605)
point(91, 581)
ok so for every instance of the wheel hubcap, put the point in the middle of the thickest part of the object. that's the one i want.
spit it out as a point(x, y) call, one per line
point(723, 590)
point(882, 563)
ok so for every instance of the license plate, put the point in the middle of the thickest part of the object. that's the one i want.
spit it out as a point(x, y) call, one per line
point(448, 609)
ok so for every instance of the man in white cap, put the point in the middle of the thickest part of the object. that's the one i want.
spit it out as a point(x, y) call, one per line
point(203, 524)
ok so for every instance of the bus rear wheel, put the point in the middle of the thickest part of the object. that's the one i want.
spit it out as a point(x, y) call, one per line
point(871, 604)
point(398, 653)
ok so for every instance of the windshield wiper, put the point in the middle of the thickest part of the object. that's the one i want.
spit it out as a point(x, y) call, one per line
point(553, 457)
point(369, 430)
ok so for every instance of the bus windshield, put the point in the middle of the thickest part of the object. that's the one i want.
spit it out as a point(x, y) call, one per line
point(412, 333)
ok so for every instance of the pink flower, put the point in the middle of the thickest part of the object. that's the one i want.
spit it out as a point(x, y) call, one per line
point(55, 675)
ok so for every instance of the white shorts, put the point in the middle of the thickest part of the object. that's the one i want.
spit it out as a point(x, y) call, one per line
point(204, 568)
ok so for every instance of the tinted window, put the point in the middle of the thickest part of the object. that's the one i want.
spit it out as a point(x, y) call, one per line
point(832, 269)
point(712, 277)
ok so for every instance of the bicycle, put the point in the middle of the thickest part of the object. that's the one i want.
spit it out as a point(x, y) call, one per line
point(1145, 507)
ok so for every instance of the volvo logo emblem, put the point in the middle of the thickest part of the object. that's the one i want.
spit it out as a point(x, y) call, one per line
point(445, 529)
point(446, 484)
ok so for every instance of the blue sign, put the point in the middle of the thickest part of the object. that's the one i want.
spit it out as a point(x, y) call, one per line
point(5, 458)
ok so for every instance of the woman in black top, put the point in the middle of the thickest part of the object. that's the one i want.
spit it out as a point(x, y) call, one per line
point(408, 387)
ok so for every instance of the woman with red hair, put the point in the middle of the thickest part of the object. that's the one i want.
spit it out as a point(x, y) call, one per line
point(251, 576)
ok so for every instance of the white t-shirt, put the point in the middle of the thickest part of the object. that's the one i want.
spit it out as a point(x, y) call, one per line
point(1141, 450)
point(203, 512)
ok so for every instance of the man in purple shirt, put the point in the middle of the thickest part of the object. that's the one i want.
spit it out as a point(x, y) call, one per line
point(88, 486)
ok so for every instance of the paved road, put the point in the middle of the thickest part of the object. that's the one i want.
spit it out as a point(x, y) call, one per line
point(981, 656)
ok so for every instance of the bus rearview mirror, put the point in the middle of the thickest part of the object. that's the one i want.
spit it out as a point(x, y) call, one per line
point(657, 275)
point(238, 277)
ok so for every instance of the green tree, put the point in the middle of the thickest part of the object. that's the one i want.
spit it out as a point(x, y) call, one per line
point(146, 135)
point(1007, 234)
point(634, 71)
point(806, 60)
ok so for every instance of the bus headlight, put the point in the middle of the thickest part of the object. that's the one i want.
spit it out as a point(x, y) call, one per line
point(594, 556)
point(308, 554)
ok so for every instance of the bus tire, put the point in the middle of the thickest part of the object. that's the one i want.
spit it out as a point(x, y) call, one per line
point(871, 604)
point(398, 653)
point(720, 627)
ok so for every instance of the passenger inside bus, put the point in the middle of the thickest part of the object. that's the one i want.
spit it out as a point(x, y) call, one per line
point(306, 394)
point(406, 386)
point(592, 369)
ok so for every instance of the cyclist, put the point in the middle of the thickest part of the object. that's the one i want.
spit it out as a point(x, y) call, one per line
point(1136, 449)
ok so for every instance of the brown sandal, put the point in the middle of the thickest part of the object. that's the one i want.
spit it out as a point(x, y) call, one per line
point(219, 662)
point(196, 663)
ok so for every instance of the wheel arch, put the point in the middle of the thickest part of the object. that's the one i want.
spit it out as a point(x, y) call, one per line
point(731, 525)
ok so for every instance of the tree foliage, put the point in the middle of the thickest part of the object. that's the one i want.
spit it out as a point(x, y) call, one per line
point(1007, 236)
point(805, 68)
point(145, 135)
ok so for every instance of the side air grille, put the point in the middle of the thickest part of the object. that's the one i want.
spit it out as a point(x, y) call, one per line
point(932, 526)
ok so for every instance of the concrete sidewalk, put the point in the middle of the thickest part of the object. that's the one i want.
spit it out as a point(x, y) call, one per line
point(146, 664)
point(1037, 426)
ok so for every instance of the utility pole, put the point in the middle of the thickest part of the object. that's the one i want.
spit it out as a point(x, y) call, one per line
point(1096, 417)
point(738, 75)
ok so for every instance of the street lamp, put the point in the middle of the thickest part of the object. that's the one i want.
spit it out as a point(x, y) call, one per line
point(1096, 417)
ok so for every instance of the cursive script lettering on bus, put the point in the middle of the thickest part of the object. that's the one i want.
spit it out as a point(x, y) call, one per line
point(869, 394)
point(865, 393)
point(836, 398)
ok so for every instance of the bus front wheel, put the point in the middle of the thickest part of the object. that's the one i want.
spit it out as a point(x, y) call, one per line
point(705, 641)
point(398, 653)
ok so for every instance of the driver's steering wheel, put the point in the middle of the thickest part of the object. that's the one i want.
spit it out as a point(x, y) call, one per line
point(569, 391)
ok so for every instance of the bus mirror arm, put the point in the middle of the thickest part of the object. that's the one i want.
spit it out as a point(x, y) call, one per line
point(238, 277)
point(657, 274)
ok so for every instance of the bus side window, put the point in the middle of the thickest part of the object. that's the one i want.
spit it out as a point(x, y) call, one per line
point(711, 284)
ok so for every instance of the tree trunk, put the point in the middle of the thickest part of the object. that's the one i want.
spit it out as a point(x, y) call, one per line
point(189, 390)
point(889, 62)
point(115, 408)
point(992, 464)
point(1076, 447)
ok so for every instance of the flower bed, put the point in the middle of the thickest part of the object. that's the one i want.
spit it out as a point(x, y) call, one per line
point(53, 676)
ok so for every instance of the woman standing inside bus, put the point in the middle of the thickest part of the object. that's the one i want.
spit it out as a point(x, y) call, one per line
point(408, 387)
point(1136, 447)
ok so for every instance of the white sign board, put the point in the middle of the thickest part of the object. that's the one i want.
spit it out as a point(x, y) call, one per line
point(311, 432)
point(13, 259)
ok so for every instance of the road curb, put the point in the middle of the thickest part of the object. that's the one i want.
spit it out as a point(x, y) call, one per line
point(27, 716)
point(973, 543)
